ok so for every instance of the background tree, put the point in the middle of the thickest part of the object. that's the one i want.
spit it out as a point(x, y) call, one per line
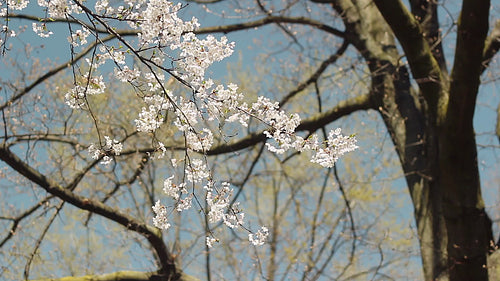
point(427, 112)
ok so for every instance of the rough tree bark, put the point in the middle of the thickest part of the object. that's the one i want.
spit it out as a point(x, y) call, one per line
point(431, 127)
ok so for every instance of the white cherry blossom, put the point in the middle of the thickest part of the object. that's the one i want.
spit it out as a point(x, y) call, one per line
point(259, 238)
point(161, 218)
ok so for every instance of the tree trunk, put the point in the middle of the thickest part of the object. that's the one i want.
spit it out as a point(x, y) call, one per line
point(469, 228)
point(468, 225)
point(431, 129)
point(415, 141)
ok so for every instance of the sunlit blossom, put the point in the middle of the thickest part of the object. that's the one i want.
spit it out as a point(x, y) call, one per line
point(259, 238)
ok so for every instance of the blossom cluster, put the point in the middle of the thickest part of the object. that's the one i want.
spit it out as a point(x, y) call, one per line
point(219, 201)
point(337, 146)
point(111, 147)
point(160, 220)
point(167, 44)
point(76, 97)
point(41, 30)
point(260, 237)
point(79, 37)
point(150, 118)
point(12, 5)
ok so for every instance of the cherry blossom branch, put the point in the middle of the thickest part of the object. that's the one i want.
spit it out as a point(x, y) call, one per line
point(20, 93)
point(206, 30)
point(311, 124)
point(163, 38)
point(56, 20)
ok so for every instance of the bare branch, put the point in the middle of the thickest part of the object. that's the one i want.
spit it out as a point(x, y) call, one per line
point(153, 235)
point(16, 220)
point(272, 19)
point(60, 138)
point(423, 65)
point(121, 276)
point(426, 13)
point(138, 171)
point(40, 239)
point(315, 76)
point(349, 213)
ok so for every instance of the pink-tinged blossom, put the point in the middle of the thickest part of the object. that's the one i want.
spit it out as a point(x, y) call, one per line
point(8, 32)
point(224, 102)
point(59, 8)
point(126, 74)
point(282, 125)
point(5, 29)
point(160, 24)
point(101, 6)
point(234, 219)
point(187, 115)
point(311, 143)
point(217, 202)
point(113, 146)
point(17, 4)
point(94, 85)
point(198, 54)
point(154, 80)
point(94, 151)
point(160, 151)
